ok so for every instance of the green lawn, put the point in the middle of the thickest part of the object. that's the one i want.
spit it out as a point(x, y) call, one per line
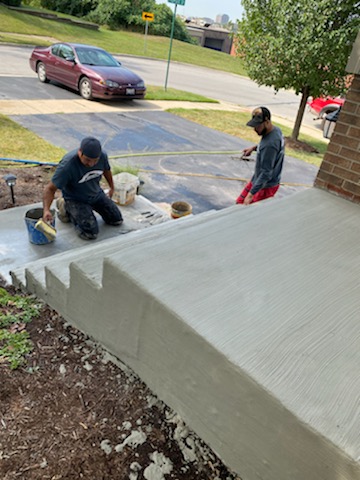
point(234, 123)
point(120, 42)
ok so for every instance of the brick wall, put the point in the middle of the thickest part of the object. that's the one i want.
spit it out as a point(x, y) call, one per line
point(340, 170)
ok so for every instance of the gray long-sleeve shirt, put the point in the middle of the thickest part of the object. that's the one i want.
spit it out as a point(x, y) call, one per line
point(269, 161)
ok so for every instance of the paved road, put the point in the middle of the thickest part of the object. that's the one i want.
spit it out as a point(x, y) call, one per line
point(14, 62)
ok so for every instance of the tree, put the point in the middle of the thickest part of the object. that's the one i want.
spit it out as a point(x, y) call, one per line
point(127, 14)
point(298, 44)
point(163, 21)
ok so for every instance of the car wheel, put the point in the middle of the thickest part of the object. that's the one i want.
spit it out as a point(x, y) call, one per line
point(41, 72)
point(85, 88)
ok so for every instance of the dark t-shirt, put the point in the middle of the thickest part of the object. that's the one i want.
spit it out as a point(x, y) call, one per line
point(269, 161)
point(78, 182)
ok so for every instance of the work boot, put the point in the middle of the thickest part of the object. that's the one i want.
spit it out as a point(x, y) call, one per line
point(61, 210)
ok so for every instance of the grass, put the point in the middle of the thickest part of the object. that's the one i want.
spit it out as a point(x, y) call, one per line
point(119, 42)
point(17, 142)
point(234, 123)
point(115, 169)
point(159, 93)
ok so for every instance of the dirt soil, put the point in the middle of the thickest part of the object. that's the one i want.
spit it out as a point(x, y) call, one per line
point(30, 182)
point(70, 413)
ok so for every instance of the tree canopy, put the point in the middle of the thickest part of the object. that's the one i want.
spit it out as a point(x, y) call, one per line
point(299, 44)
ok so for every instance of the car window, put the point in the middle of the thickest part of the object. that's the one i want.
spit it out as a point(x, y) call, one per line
point(95, 57)
point(66, 52)
point(55, 49)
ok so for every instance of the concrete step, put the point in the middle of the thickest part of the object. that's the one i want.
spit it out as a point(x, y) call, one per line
point(49, 277)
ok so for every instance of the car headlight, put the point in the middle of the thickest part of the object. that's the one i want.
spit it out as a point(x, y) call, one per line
point(140, 84)
point(109, 83)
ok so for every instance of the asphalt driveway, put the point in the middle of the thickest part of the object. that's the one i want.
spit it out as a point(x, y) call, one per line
point(167, 148)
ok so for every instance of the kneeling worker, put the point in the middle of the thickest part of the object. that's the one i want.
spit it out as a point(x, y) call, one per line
point(78, 177)
point(269, 159)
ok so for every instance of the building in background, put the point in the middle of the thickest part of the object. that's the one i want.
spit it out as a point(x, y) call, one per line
point(210, 35)
point(222, 19)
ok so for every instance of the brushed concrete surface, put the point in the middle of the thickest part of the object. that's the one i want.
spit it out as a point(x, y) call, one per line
point(247, 325)
point(17, 250)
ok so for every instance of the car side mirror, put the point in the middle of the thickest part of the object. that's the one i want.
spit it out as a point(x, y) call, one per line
point(70, 59)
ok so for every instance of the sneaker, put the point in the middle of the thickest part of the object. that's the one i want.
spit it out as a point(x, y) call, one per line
point(87, 236)
point(116, 224)
point(61, 211)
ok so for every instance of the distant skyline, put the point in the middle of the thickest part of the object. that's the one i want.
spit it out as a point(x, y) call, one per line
point(208, 8)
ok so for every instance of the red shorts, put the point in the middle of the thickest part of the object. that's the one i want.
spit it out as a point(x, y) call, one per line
point(260, 195)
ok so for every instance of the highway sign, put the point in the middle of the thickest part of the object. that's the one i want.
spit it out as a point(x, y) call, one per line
point(179, 2)
point(149, 17)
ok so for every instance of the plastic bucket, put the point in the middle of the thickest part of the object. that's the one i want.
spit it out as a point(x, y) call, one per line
point(180, 209)
point(31, 218)
point(125, 188)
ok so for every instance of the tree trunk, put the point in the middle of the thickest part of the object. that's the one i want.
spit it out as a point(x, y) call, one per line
point(304, 96)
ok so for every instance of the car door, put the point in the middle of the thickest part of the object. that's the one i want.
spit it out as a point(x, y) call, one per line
point(65, 68)
point(50, 61)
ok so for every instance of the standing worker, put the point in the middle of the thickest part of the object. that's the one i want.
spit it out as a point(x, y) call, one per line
point(269, 159)
point(78, 177)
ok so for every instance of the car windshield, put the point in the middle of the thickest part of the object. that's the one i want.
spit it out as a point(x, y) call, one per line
point(98, 58)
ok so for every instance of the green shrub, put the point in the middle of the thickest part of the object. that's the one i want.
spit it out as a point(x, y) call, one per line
point(12, 3)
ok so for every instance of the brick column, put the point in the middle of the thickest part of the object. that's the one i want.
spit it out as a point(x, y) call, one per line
point(340, 170)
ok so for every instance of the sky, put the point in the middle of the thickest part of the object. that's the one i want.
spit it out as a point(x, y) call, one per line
point(208, 8)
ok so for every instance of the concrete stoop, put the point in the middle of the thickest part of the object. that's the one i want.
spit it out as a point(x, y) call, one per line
point(243, 321)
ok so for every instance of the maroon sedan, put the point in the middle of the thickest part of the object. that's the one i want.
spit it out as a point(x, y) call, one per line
point(90, 70)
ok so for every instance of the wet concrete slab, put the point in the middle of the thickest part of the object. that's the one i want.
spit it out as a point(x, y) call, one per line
point(16, 248)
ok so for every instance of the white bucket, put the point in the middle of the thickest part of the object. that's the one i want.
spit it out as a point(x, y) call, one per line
point(125, 188)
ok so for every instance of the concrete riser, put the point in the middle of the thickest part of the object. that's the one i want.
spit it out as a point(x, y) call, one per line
point(153, 324)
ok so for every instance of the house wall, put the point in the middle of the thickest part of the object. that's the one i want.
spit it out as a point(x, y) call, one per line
point(340, 170)
point(220, 40)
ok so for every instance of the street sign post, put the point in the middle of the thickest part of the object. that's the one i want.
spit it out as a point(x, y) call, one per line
point(176, 2)
point(148, 17)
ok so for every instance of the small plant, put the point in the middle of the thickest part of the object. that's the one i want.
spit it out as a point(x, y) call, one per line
point(115, 169)
point(15, 312)
point(14, 346)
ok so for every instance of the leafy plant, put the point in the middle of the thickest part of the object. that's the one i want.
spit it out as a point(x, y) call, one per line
point(14, 347)
point(15, 312)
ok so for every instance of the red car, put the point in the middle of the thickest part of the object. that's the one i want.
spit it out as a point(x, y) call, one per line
point(89, 70)
point(321, 106)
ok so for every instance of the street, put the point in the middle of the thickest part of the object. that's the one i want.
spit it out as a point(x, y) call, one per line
point(214, 84)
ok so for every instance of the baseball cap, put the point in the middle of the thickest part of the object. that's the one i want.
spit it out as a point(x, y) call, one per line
point(90, 147)
point(259, 115)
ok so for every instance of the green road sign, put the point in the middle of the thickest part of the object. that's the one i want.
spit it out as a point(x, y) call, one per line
point(179, 2)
